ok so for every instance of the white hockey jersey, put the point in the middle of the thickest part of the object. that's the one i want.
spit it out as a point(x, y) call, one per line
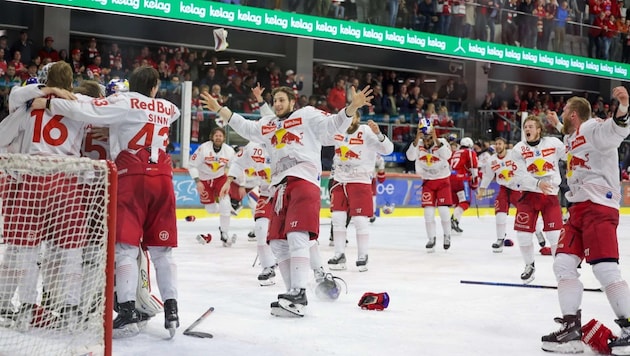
point(251, 168)
point(534, 163)
point(593, 162)
point(135, 121)
point(355, 154)
point(294, 144)
point(40, 132)
point(207, 164)
point(431, 163)
point(499, 168)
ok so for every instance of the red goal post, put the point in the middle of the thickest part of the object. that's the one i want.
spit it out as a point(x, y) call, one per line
point(58, 219)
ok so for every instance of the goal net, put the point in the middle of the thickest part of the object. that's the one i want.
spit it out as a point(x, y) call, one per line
point(56, 255)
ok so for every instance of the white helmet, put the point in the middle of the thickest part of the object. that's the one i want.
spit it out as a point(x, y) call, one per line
point(466, 142)
point(42, 75)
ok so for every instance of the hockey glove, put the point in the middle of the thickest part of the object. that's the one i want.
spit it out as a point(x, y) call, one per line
point(374, 301)
point(204, 238)
point(545, 251)
point(597, 336)
point(474, 183)
point(380, 176)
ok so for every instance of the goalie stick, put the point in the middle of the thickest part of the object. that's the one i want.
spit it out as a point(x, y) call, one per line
point(502, 284)
point(202, 335)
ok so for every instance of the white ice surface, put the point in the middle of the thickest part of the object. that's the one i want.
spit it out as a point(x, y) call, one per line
point(430, 313)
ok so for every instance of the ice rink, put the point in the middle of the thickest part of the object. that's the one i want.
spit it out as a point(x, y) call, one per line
point(430, 313)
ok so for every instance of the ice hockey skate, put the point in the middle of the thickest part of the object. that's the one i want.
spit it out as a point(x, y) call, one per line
point(528, 274)
point(171, 318)
point(225, 239)
point(430, 246)
point(455, 225)
point(497, 246)
point(447, 242)
point(362, 263)
point(337, 263)
point(541, 238)
point(621, 345)
point(291, 303)
point(7, 316)
point(126, 322)
point(267, 276)
point(567, 340)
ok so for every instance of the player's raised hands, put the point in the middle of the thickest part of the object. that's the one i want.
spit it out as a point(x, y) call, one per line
point(359, 99)
point(257, 91)
point(209, 102)
point(621, 94)
point(374, 127)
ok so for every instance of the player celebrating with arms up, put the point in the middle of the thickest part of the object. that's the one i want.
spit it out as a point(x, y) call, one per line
point(294, 138)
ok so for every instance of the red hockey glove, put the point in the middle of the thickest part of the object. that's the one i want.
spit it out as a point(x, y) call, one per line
point(474, 183)
point(597, 335)
point(374, 301)
point(545, 251)
point(204, 238)
point(380, 176)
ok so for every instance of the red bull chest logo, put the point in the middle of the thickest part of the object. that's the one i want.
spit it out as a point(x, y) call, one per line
point(574, 162)
point(345, 153)
point(264, 173)
point(540, 167)
point(283, 137)
point(429, 159)
point(505, 174)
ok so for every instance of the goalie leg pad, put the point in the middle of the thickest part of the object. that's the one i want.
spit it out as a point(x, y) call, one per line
point(145, 301)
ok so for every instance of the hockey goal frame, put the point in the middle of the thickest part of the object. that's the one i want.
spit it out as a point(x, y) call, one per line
point(106, 206)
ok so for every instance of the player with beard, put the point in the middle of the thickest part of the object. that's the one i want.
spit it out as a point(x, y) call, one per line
point(591, 230)
point(500, 168)
point(294, 139)
point(208, 167)
point(431, 155)
point(351, 193)
point(537, 176)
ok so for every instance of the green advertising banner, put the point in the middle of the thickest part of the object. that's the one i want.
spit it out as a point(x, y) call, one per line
point(292, 24)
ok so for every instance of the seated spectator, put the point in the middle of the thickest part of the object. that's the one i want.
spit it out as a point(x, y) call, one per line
point(443, 122)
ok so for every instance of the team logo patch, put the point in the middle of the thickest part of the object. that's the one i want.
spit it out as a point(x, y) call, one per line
point(522, 219)
point(426, 196)
point(164, 235)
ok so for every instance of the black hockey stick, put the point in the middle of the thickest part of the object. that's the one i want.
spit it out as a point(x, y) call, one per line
point(189, 330)
point(503, 284)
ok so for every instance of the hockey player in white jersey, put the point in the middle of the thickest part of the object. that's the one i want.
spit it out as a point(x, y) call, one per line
point(294, 139)
point(208, 167)
point(591, 230)
point(431, 155)
point(537, 176)
point(138, 126)
point(351, 193)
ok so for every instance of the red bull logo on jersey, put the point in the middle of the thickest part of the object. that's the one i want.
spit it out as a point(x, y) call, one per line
point(505, 174)
point(429, 159)
point(345, 153)
point(283, 137)
point(540, 167)
point(153, 105)
point(264, 173)
point(214, 164)
point(573, 162)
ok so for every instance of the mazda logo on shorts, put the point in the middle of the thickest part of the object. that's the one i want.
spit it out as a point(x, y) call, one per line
point(522, 219)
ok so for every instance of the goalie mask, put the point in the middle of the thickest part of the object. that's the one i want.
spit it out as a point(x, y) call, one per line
point(116, 86)
point(388, 208)
point(330, 288)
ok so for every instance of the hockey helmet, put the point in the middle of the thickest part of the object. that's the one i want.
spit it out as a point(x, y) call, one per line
point(466, 142)
point(42, 75)
point(330, 288)
point(116, 86)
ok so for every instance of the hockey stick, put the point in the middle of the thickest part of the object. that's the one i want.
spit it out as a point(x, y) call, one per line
point(255, 259)
point(503, 284)
point(189, 330)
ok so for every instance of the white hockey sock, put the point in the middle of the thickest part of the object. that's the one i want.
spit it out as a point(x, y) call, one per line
point(501, 221)
point(212, 208)
point(340, 233)
point(126, 272)
point(553, 237)
point(10, 273)
point(570, 288)
point(615, 287)
point(363, 235)
point(28, 282)
point(526, 246)
point(300, 265)
point(314, 256)
point(445, 219)
point(71, 273)
point(261, 227)
point(165, 271)
point(458, 212)
point(429, 221)
point(280, 249)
